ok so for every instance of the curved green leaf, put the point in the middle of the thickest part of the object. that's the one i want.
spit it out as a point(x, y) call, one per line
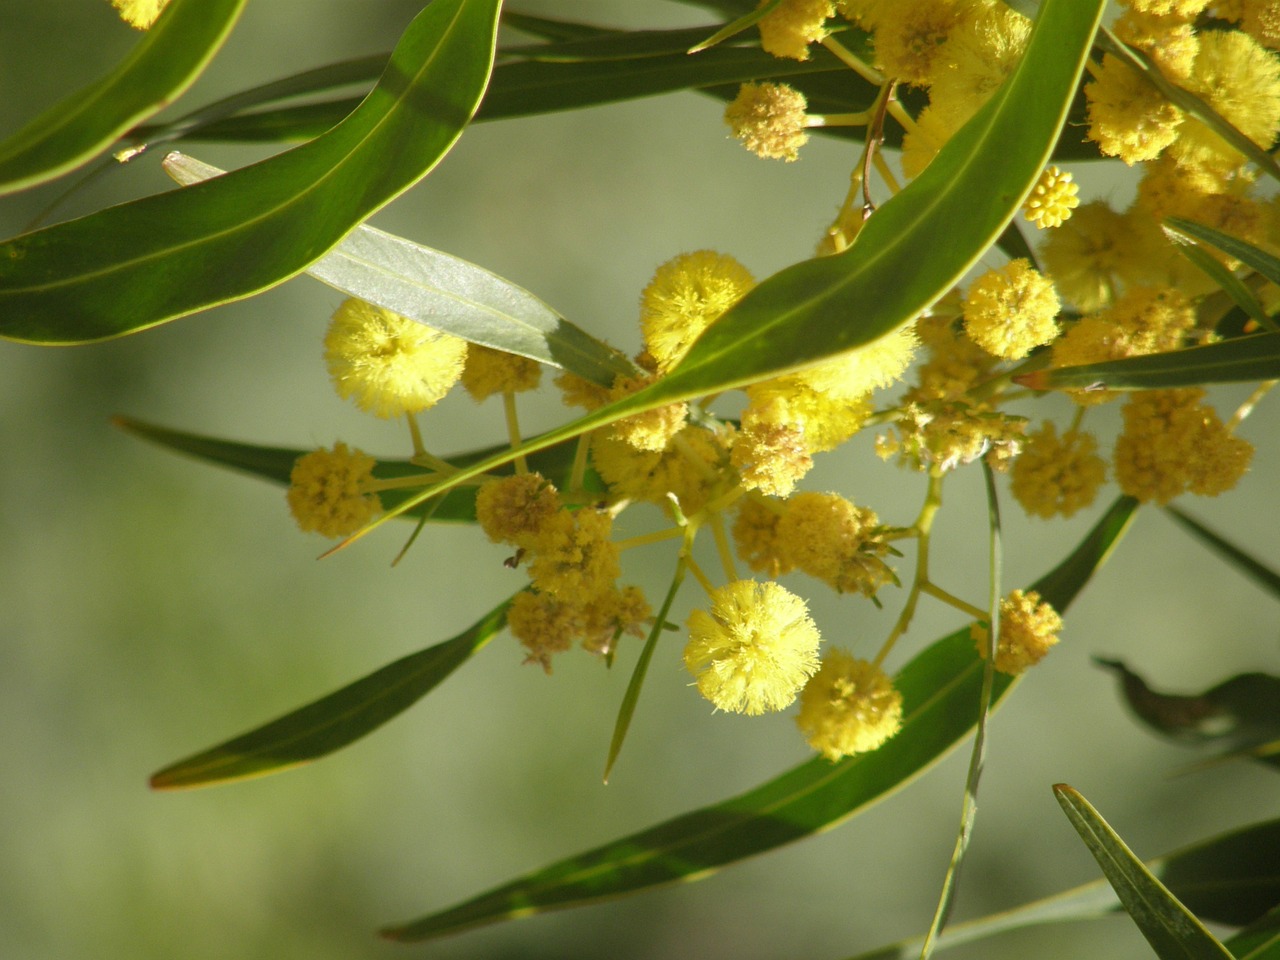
point(1172, 930)
point(1229, 879)
point(162, 65)
point(1261, 941)
point(334, 721)
point(276, 463)
point(140, 264)
point(1234, 247)
point(1239, 360)
point(940, 690)
point(448, 294)
point(896, 267)
point(1257, 571)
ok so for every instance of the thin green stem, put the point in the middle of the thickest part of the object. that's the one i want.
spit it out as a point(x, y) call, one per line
point(854, 62)
point(513, 428)
point(644, 539)
point(952, 600)
point(722, 546)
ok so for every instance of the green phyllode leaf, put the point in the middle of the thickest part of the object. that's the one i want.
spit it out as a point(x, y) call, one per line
point(940, 690)
point(1172, 930)
point(143, 263)
point(1253, 568)
point(897, 267)
point(159, 69)
point(1229, 879)
point(1242, 712)
point(448, 294)
point(276, 463)
point(334, 721)
point(1239, 360)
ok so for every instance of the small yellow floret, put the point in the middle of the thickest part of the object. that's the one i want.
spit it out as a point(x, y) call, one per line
point(1128, 117)
point(754, 650)
point(650, 430)
point(686, 295)
point(770, 456)
point(1056, 476)
point(828, 537)
point(688, 469)
point(1052, 199)
point(1172, 443)
point(328, 491)
point(517, 509)
point(910, 43)
point(1087, 253)
point(789, 28)
point(576, 557)
point(388, 364)
point(488, 371)
point(1028, 629)
point(543, 625)
point(1261, 20)
point(769, 119)
point(1010, 311)
point(755, 535)
point(850, 706)
point(140, 13)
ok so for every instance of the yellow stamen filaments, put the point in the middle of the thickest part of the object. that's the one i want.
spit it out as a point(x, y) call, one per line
point(1128, 117)
point(1172, 443)
point(789, 28)
point(686, 295)
point(754, 650)
point(849, 707)
point(140, 13)
point(1010, 311)
point(390, 365)
point(328, 491)
point(755, 535)
point(1028, 629)
point(910, 41)
point(828, 537)
point(488, 371)
point(1052, 199)
point(1056, 476)
point(769, 119)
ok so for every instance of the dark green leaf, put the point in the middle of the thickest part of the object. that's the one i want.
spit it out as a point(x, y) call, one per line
point(448, 294)
point(1234, 247)
point(1242, 360)
point(140, 264)
point(1172, 930)
point(276, 463)
point(162, 65)
point(1228, 282)
point(940, 689)
point(1242, 712)
point(333, 721)
point(1261, 941)
point(1261, 574)
point(1230, 879)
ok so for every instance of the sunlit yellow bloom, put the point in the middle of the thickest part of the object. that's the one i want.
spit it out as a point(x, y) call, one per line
point(769, 119)
point(828, 537)
point(328, 491)
point(686, 295)
point(1084, 256)
point(690, 468)
point(1011, 310)
point(754, 650)
point(517, 509)
point(1128, 117)
point(1052, 199)
point(1056, 476)
point(850, 706)
point(755, 535)
point(489, 371)
point(140, 13)
point(909, 42)
point(1170, 40)
point(1028, 630)
point(390, 365)
point(789, 28)
point(575, 556)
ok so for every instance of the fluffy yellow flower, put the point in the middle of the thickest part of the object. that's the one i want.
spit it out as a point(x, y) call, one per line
point(770, 456)
point(1011, 310)
point(328, 491)
point(850, 706)
point(488, 371)
point(575, 556)
point(1056, 476)
point(910, 42)
point(543, 625)
point(1128, 117)
point(976, 59)
point(1085, 255)
point(828, 537)
point(653, 429)
point(1028, 630)
point(689, 468)
point(140, 13)
point(390, 365)
point(517, 509)
point(755, 534)
point(686, 295)
point(754, 650)
point(1052, 199)
point(769, 119)
point(1172, 443)
point(1261, 20)
point(789, 28)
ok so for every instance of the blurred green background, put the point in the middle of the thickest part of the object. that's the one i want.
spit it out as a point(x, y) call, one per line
point(151, 606)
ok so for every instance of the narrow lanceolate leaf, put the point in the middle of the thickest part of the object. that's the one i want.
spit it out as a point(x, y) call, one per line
point(1252, 567)
point(898, 265)
point(1172, 930)
point(940, 689)
point(162, 65)
point(1260, 941)
point(334, 721)
point(1229, 879)
point(448, 294)
point(1240, 360)
point(1234, 247)
point(142, 263)
point(276, 463)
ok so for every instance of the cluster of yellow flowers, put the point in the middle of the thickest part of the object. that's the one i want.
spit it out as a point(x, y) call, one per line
point(753, 647)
